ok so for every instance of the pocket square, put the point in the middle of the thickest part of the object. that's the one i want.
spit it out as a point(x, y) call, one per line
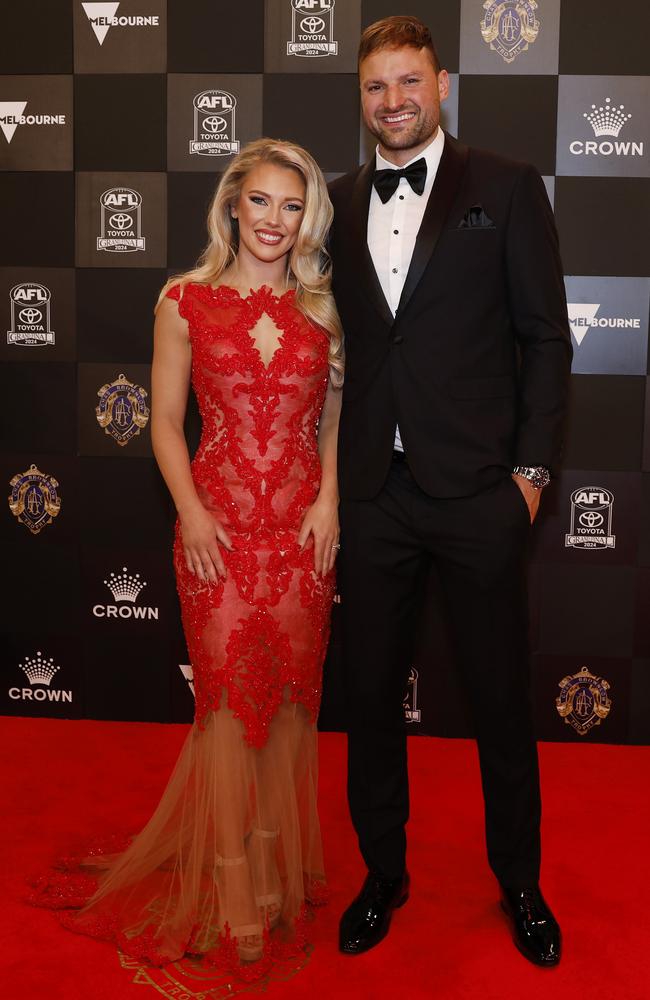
point(476, 218)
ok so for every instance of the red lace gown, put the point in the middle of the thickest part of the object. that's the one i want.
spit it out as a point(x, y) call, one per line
point(233, 849)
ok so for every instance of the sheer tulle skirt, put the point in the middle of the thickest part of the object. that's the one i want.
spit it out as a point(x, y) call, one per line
point(229, 858)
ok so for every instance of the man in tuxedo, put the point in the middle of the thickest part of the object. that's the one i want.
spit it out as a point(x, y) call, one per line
point(448, 281)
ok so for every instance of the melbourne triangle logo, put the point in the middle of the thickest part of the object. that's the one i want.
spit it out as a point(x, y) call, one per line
point(10, 114)
point(101, 17)
point(581, 318)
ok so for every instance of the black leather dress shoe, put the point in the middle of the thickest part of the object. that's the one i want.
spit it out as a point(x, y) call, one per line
point(536, 932)
point(367, 920)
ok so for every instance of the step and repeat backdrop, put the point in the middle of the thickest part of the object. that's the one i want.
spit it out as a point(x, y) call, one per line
point(116, 120)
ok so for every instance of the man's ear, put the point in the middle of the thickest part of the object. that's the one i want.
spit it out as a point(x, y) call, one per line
point(443, 84)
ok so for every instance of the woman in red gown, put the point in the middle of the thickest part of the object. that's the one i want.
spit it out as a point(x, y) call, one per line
point(233, 851)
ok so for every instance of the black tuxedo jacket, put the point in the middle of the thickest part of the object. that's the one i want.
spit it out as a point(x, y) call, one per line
point(475, 364)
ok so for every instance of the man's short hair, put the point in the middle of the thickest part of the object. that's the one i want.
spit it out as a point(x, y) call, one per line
point(395, 33)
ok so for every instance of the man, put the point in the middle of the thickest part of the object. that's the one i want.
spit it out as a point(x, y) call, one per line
point(449, 285)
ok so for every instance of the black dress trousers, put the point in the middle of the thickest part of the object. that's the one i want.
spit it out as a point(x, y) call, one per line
point(478, 544)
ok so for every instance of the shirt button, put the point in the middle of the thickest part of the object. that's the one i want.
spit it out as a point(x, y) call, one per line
point(398, 339)
point(396, 231)
point(394, 270)
point(401, 197)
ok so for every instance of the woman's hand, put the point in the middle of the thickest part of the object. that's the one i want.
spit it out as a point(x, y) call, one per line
point(321, 521)
point(200, 534)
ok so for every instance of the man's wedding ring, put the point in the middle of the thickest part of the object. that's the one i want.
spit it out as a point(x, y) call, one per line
point(336, 546)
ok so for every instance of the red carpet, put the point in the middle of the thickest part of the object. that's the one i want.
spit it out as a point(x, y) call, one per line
point(65, 781)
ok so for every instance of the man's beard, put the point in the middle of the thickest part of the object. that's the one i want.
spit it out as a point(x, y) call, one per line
point(420, 129)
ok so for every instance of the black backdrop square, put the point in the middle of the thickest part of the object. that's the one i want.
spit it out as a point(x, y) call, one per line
point(188, 200)
point(644, 541)
point(45, 586)
point(120, 122)
point(126, 680)
point(115, 313)
point(128, 500)
point(442, 19)
point(639, 701)
point(209, 37)
point(587, 610)
point(44, 395)
point(524, 127)
point(324, 115)
point(600, 39)
point(605, 422)
point(603, 224)
point(38, 40)
point(642, 633)
point(38, 210)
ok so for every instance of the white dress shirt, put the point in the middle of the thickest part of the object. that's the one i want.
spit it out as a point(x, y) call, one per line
point(393, 227)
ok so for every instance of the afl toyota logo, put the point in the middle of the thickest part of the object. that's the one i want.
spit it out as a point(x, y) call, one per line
point(591, 519)
point(30, 315)
point(312, 28)
point(214, 124)
point(120, 221)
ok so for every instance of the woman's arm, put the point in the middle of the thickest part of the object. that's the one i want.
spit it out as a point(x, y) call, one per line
point(170, 382)
point(321, 519)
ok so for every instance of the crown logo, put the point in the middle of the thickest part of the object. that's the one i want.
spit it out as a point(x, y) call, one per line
point(607, 120)
point(124, 586)
point(39, 670)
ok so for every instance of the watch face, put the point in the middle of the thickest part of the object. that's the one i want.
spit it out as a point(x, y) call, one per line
point(541, 478)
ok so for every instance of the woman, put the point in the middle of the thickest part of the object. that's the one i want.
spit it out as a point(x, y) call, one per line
point(233, 850)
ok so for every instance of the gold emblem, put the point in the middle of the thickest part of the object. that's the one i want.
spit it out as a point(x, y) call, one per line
point(34, 499)
point(122, 410)
point(583, 701)
point(509, 26)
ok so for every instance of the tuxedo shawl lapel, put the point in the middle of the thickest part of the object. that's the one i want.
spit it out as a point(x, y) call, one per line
point(359, 243)
point(445, 188)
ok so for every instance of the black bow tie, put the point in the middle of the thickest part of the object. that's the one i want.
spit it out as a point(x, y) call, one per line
point(387, 181)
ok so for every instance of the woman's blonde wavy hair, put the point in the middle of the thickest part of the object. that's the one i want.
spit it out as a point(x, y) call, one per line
point(308, 264)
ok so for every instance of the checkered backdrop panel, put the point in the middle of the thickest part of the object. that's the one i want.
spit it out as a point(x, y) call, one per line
point(116, 121)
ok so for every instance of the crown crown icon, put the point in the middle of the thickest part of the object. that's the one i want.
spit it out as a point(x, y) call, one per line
point(607, 120)
point(39, 670)
point(124, 586)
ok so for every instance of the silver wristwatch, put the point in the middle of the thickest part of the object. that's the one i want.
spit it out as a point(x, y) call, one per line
point(537, 475)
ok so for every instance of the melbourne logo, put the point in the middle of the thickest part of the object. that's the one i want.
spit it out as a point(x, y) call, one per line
point(126, 588)
point(509, 26)
point(606, 120)
point(312, 29)
point(40, 673)
point(122, 410)
point(591, 519)
point(214, 124)
point(121, 221)
point(583, 701)
point(583, 317)
point(30, 315)
point(12, 115)
point(411, 711)
point(103, 16)
point(34, 499)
